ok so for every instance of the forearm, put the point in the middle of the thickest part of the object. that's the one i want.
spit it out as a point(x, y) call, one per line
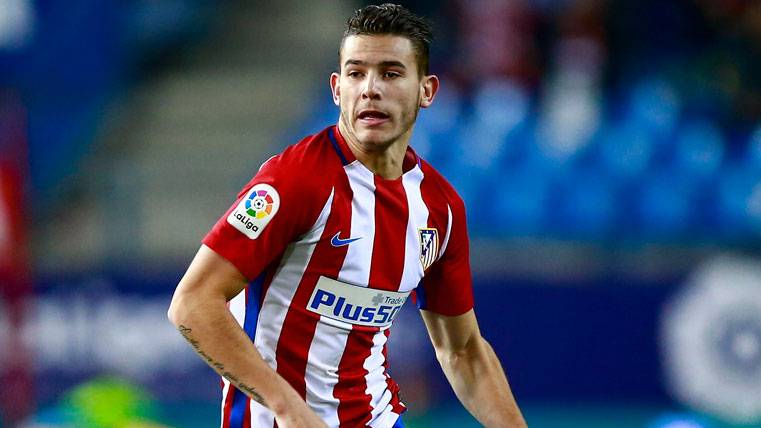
point(208, 326)
point(481, 385)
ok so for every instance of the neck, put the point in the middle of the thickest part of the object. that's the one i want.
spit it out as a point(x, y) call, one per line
point(385, 160)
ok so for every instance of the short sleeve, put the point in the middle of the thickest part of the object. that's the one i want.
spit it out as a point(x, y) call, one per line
point(447, 286)
point(270, 212)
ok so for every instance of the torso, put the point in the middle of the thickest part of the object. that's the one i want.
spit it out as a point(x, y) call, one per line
point(319, 310)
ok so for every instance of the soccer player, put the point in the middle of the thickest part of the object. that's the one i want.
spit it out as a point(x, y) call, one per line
point(292, 294)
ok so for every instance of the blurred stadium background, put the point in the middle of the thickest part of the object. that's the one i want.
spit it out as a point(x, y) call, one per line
point(609, 153)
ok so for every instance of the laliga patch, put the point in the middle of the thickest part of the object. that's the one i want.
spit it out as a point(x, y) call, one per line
point(255, 210)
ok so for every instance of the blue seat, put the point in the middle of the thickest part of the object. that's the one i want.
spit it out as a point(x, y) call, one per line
point(666, 206)
point(655, 105)
point(699, 149)
point(519, 201)
point(625, 151)
point(739, 202)
point(584, 205)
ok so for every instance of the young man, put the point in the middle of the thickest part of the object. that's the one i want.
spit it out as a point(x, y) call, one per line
point(292, 294)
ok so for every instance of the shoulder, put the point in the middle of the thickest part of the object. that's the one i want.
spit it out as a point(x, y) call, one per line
point(313, 153)
point(439, 188)
point(303, 167)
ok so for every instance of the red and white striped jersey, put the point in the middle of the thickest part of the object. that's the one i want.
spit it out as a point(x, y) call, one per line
point(331, 252)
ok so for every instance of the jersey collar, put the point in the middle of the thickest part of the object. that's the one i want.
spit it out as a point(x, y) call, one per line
point(411, 158)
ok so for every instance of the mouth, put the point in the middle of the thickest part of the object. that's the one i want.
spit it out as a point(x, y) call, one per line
point(371, 117)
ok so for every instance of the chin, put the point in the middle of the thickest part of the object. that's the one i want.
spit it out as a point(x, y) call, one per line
point(375, 138)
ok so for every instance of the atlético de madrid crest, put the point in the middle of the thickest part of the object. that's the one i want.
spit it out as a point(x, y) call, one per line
point(429, 246)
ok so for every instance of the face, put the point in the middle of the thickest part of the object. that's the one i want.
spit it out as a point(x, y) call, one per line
point(379, 90)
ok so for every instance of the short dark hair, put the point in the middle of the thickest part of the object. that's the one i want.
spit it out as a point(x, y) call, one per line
point(393, 19)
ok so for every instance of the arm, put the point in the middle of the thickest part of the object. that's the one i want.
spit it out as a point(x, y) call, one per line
point(472, 368)
point(199, 311)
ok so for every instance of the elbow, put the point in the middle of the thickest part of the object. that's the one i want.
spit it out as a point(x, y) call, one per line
point(177, 312)
point(190, 304)
point(454, 356)
point(449, 358)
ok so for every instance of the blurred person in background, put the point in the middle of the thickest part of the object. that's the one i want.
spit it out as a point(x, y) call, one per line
point(16, 386)
point(324, 245)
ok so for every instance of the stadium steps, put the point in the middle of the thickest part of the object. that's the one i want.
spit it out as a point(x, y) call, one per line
point(183, 143)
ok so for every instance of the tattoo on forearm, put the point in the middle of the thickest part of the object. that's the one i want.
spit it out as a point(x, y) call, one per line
point(220, 368)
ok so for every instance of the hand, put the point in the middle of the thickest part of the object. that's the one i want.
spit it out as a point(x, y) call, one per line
point(299, 415)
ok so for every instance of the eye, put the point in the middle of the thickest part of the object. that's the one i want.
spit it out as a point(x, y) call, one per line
point(391, 75)
point(354, 74)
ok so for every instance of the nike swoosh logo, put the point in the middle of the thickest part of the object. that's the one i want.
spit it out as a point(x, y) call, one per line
point(338, 242)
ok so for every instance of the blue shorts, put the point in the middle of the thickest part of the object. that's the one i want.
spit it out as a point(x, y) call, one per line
point(398, 423)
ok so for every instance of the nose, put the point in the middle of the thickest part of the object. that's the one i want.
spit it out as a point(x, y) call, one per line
point(371, 90)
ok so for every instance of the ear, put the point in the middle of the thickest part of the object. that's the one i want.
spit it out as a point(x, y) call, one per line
point(429, 86)
point(335, 87)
